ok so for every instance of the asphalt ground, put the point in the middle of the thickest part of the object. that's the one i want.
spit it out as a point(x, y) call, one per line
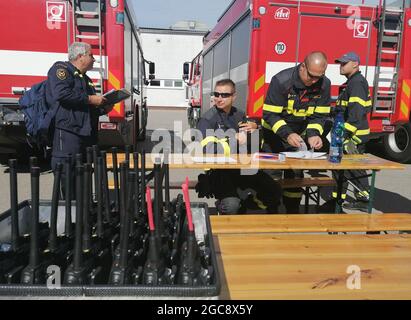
point(393, 187)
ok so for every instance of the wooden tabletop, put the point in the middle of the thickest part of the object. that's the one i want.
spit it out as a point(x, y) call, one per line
point(265, 223)
point(295, 266)
point(257, 263)
point(243, 161)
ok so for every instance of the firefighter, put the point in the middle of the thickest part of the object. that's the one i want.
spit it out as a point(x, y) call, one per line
point(77, 107)
point(355, 102)
point(224, 129)
point(295, 110)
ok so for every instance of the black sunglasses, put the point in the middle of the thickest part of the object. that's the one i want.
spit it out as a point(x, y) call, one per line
point(221, 94)
point(311, 75)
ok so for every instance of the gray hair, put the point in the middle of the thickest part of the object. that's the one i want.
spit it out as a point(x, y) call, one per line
point(76, 49)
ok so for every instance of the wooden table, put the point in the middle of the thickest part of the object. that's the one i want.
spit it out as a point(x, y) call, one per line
point(349, 162)
point(259, 265)
point(244, 161)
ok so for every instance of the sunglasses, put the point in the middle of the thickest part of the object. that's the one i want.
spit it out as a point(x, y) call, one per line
point(221, 94)
point(312, 76)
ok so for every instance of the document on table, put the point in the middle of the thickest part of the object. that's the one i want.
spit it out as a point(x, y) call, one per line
point(306, 155)
point(213, 160)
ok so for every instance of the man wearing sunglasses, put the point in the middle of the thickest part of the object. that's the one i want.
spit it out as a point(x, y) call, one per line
point(295, 109)
point(225, 129)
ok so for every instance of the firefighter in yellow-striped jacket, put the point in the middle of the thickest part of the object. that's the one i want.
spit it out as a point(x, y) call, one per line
point(355, 101)
point(295, 109)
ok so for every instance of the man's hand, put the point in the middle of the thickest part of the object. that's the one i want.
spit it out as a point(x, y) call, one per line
point(241, 137)
point(249, 126)
point(96, 100)
point(294, 140)
point(315, 142)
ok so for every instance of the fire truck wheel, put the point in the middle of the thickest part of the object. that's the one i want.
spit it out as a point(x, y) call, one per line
point(397, 145)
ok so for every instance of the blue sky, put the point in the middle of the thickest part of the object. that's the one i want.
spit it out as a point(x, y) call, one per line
point(164, 13)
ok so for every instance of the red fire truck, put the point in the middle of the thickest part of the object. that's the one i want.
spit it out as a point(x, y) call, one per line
point(255, 39)
point(194, 87)
point(36, 33)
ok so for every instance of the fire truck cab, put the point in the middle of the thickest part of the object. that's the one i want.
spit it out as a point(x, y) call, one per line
point(36, 33)
point(254, 40)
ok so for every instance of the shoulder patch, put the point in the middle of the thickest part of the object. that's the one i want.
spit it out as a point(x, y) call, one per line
point(61, 74)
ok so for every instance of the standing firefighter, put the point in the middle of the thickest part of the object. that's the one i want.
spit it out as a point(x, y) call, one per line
point(295, 109)
point(70, 92)
point(355, 102)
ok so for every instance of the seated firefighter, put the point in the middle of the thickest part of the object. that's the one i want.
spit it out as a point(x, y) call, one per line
point(225, 129)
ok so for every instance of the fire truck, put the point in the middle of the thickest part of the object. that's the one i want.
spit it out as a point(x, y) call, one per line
point(37, 33)
point(255, 39)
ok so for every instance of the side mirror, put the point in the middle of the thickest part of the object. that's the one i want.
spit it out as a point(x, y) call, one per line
point(186, 70)
point(152, 68)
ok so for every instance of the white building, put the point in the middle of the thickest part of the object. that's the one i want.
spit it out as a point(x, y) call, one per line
point(169, 49)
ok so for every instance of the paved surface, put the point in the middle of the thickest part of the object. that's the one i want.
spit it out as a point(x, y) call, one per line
point(393, 186)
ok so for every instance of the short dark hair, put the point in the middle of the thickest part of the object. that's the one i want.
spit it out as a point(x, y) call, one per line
point(225, 82)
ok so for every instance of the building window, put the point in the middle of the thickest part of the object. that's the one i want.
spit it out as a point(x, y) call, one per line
point(178, 83)
point(168, 83)
point(155, 83)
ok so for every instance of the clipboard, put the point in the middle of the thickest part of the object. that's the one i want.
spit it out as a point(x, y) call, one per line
point(115, 96)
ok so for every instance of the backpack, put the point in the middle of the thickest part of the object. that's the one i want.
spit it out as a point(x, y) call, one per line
point(38, 117)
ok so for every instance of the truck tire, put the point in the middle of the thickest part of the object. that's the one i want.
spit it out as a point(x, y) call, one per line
point(397, 145)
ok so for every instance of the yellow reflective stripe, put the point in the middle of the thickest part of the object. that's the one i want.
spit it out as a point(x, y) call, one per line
point(316, 126)
point(343, 103)
point(322, 109)
point(278, 125)
point(300, 113)
point(364, 103)
point(259, 103)
point(259, 83)
point(290, 106)
point(404, 109)
point(310, 111)
point(265, 124)
point(350, 127)
point(304, 113)
point(363, 193)
point(294, 195)
point(406, 89)
point(343, 195)
point(271, 108)
point(356, 139)
point(259, 203)
point(362, 132)
point(213, 139)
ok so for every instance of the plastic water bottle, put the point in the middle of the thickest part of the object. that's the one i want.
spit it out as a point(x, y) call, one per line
point(337, 139)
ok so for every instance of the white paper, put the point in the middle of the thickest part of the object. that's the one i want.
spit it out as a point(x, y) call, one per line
point(306, 155)
point(213, 160)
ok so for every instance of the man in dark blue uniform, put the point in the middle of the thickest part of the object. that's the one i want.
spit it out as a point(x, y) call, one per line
point(71, 94)
point(355, 101)
point(224, 129)
point(295, 109)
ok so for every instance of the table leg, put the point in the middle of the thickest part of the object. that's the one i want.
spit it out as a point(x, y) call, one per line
point(340, 181)
point(372, 191)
